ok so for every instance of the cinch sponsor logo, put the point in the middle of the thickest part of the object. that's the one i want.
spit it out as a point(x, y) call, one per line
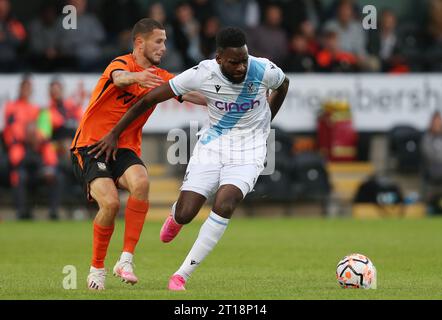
point(229, 106)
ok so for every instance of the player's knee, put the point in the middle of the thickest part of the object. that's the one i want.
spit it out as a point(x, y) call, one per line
point(182, 218)
point(111, 205)
point(184, 214)
point(140, 188)
point(225, 208)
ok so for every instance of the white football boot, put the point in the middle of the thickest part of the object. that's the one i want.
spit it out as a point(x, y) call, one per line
point(96, 278)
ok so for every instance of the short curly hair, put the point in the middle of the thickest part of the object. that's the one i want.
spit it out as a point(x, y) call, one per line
point(230, 37)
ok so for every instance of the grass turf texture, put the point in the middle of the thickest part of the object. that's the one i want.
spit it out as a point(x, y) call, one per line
point(256, 259)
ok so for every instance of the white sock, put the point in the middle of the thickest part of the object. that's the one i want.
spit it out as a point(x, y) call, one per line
point(210, 233)
point(173, 212)
point(126, 256)
point(93, 269)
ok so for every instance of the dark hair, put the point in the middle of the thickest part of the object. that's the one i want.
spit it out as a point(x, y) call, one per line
point(329, 33)
point(145, 26)
point(26, 77)
point(56, 79)
point(230, 38)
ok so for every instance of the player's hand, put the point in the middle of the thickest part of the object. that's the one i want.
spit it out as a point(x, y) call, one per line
point(107, 145)
point(147, 79)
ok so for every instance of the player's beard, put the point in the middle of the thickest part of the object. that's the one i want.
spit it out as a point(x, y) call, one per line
point(231, 78)
point(152, 59)
point(235, 80)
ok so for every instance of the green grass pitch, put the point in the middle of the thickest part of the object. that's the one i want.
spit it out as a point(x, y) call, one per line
point(275, 258)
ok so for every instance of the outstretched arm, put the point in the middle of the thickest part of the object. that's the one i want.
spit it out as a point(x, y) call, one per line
point(109, 143)
point(144, 78)
point(195, 97)
point(277, 97)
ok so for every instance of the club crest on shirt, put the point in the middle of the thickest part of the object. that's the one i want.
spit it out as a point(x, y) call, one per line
point(251, 88)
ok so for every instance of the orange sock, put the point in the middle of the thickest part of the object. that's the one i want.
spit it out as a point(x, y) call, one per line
point(135, 215)
point(102, 236)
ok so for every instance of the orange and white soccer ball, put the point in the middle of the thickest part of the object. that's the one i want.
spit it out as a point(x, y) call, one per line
point(356, 271)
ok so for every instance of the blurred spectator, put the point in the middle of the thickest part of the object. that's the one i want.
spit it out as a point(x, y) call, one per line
point(308, 30)
point(299, 58)
point(349, 31)
point(236, 13)
point(413, 44)
point(187, 34)
point(332, 58)
point(269, 40)
point(432, 150)
point(208, 37)
point(43, 43)
point(84, 43)
point(203, 10)
point(296, 12)
point(253, 14)
point(385, 43)
point(333, 8)
point(172, 59)
point(119, 17)
point(435, 21)
point(434, 54)
point(12, 36)
point(431, 147)
point(65, 113)
point(32, 158)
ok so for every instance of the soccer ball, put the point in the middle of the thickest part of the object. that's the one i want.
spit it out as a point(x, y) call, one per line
point(356, 271)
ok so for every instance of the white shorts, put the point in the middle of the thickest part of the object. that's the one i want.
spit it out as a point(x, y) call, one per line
point(207, 171)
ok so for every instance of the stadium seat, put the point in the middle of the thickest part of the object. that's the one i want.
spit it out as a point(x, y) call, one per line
point(284, 140)
point(404, 148)
point(274, 189)
point(309, 175)
point(283, 149)
point(310, 180)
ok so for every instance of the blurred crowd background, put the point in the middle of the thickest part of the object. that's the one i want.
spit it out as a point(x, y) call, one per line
point(397, 172)
point(300, 36)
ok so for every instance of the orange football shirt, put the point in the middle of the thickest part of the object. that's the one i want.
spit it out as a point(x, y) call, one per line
point(109, 103)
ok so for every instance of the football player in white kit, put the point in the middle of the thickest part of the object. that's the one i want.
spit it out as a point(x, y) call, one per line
point(231, 150)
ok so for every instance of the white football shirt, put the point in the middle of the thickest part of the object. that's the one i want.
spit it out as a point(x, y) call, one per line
point(240, 112)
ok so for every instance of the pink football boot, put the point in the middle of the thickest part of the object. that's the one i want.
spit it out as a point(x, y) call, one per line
point(169, 230)
point(176, 283)
point(124, 271)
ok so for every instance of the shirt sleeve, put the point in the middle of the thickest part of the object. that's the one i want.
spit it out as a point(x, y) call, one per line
point(189, 80)
point(166, 76)
point(274, 76)
point(116, 64)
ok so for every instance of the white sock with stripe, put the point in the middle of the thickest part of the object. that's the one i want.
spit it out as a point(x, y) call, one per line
point(210, 233)
point(173, 212)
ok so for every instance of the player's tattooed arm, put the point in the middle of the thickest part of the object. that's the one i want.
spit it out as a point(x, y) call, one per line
point(144, 78)
point(277, 97)
point(108, 145)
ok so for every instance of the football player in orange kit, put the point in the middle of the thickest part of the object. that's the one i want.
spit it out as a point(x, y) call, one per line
point(123, 83)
